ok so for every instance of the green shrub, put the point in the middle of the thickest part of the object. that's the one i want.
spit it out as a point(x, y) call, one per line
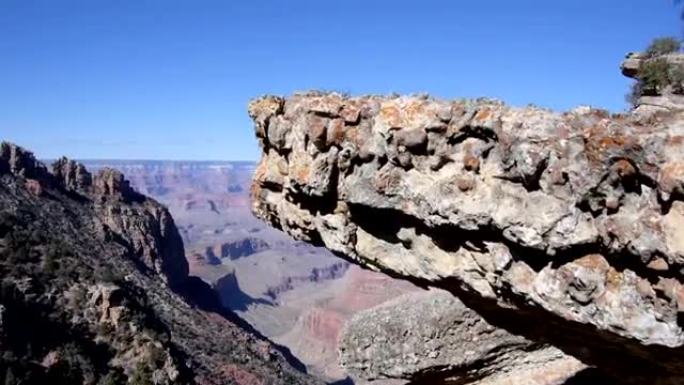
point(662, 46)
point(106, 274)
point(50, 264)
point(654, 76)
point(677, 80)
point(157, 356)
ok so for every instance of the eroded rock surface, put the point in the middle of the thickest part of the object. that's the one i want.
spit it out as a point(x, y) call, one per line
point(565, 228)
point(431, 337)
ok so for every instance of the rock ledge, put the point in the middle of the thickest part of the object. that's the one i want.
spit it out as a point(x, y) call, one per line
point(563, 227)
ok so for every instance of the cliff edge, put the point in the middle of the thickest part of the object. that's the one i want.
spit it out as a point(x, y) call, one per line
point(563, 227)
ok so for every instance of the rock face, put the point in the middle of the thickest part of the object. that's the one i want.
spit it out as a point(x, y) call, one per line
point(566, 228)
point(147, 227)
point(93, 282)
point(431, 337)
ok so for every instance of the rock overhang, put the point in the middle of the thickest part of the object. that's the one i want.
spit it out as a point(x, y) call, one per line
point(573, 216)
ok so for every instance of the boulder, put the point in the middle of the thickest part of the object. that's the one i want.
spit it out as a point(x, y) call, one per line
point(432, 337)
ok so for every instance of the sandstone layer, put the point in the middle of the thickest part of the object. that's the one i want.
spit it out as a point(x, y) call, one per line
point(562, 227)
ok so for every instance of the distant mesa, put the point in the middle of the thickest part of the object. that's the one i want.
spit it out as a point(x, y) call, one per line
point(234, 250)
point(317, 275)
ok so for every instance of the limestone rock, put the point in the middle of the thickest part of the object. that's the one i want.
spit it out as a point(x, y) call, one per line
point(148, 230)
point(431, 337)
point(563, 227)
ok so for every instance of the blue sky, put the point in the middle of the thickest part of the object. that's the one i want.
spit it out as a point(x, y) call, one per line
point(170, 79)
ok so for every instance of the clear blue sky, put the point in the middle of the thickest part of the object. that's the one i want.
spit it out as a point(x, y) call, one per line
point(170, 79)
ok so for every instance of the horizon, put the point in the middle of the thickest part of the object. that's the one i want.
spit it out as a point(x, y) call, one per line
point(171, 80)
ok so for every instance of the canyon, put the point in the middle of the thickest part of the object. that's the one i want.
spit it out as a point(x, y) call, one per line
point(298, 296)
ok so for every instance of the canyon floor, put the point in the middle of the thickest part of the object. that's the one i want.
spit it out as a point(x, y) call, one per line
point(297, 295)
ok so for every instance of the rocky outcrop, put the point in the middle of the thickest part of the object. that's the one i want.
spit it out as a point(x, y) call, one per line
point(431, 337)
point(565, 228)
point(665, 75)
point(93, 288)
point(17, 161)
point(142, 224)
point(71, 175)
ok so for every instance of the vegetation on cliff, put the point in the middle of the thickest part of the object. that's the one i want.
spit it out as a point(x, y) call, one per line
point(657, 74)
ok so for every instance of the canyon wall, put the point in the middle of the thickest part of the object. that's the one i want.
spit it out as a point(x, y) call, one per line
point(94, 288)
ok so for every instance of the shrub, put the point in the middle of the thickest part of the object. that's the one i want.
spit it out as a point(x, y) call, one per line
point(654, 76)
point(677, 80)
point(106, 274)
point(662, 46)
point(157, 356)
point(50, 264)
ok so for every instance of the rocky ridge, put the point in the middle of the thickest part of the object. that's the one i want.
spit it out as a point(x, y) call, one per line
point(562, 227)
point(88, 266)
